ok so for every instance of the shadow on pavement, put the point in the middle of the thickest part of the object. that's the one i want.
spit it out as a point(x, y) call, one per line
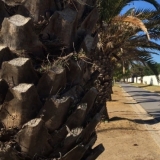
point(139, 91)
point(142, 101)
point(130, 103)
point(140, 121)
point(113, 100)
point(144, 86)
point(145, 94)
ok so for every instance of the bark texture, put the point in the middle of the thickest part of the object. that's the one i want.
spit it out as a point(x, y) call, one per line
point(48, 94)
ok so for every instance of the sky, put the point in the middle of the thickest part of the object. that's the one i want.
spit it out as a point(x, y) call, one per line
point(141, 5)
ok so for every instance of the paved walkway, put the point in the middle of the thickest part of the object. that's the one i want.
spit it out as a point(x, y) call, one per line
point(150, 101)
point(129, 135)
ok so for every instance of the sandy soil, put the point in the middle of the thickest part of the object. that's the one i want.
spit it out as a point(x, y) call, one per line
point(126, 137)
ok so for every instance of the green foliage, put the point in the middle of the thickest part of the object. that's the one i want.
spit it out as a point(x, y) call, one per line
point(118, 73)
point(122, 38)
point(143, 70)
point(110, 8)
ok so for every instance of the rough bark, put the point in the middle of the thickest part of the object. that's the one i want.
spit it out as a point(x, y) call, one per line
point(55, 81)
point(78, 7)
point(61, 28)
point(87, 45)
point(76, 119)
point(91, 81)
point(95, 152)
point(89, 22)
point(78, 67)
point(12, 2)
point(21, 105)
point(58, 137)
point(7, 152)
point(3, 12)
point(37, 8)
point(5, 54)
point(86, 28)
point(77, 152)
point(69, 142)
point(19, 70)
point(90, 128)
point(33, 138)
point(14, 35)
point(64, 128)
point(75, 92)
point(89, 98)
point(55, 111)
point(3, 90)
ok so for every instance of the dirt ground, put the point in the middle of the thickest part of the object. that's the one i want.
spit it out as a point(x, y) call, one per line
point(126, 136)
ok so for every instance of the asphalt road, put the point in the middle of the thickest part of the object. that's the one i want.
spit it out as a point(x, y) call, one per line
point(150, 101)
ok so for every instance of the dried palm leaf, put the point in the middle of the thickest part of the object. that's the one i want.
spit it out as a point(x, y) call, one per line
point(136, 22)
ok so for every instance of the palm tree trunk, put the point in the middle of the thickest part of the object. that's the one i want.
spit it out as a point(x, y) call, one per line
point(49, 97)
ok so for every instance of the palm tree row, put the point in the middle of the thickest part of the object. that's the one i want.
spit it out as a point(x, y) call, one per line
point(128, 38)
point(55, 36)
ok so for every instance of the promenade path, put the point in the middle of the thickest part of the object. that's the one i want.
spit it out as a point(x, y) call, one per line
point(150, 101)
point(131, 133)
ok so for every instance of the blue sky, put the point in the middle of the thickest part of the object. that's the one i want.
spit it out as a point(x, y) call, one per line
point(141, 5)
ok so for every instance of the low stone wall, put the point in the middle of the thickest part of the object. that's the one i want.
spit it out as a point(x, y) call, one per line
point(149, 80)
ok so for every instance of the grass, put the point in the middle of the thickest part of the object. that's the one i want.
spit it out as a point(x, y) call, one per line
point(148, 87)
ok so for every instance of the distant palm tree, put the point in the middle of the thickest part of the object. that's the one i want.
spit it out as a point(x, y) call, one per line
point(109, 8)
point(121, 36)
point(123, 40)
point(135, 46)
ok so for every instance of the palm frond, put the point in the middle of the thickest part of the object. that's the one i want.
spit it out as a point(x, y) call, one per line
point(136, 22)
point(153, 2)
point(152, 66)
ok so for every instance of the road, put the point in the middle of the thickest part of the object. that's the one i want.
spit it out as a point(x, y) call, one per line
point(150, 101)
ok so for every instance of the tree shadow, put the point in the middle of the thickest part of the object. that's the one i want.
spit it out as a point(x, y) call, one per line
point(145, 91)
point(155, 114)
point(139, 121)
point(139, 101)
point(130, 103)
point(144, 86)
point(118, 128)
point(139, 91)
point(157, 91)
point(147, 100)
point(144, 94)
point(114, 100)
point(123, 86)
point(127, 96)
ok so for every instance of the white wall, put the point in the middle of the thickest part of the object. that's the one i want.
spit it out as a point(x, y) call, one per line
point(150, 80)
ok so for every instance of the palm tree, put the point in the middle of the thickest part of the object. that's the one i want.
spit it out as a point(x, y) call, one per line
point(109, 9)
point(138, 47)
point(117, 33)
point(66, 127)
